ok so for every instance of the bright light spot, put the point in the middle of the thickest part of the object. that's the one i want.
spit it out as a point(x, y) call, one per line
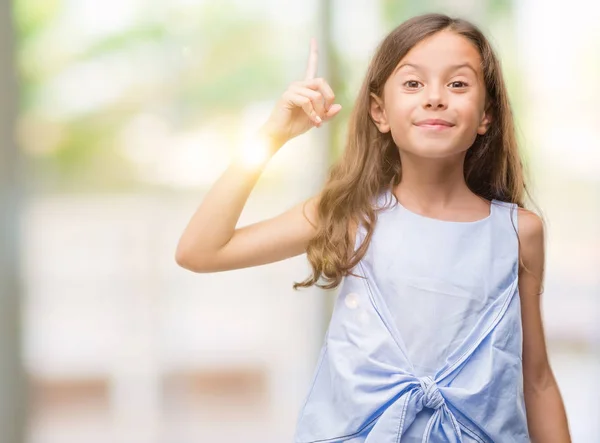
point(254, 151)
point(351, 300)
point(195, 158)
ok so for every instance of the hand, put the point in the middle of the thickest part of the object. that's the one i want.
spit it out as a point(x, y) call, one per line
point(304, 104)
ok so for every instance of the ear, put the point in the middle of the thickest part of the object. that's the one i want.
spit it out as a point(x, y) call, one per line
point(486, 121)
point(377, 112)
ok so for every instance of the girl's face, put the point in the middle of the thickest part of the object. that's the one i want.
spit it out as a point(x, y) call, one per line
point(434, 101)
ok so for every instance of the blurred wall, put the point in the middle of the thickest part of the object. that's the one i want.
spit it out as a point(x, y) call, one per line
point(13, 392)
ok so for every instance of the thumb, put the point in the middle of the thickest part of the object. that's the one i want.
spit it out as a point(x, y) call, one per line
point(333, 111)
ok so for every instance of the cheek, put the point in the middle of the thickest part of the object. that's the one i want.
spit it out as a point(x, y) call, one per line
point(401, 128)
point(401, 112)
point(472, 106)
point(469, 113)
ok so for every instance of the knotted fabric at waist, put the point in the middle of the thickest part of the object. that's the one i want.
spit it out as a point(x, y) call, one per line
point(432, 397)
point(426, 394)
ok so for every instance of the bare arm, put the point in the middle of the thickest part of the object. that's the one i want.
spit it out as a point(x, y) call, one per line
point(211, 242)
point(546, 417)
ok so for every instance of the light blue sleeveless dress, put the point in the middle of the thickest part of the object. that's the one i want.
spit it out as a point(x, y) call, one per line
point(427, 346)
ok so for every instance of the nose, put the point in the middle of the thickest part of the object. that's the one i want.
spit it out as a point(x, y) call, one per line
point(434, 98)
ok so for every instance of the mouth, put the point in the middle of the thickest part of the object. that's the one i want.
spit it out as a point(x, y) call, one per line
point(434, 124)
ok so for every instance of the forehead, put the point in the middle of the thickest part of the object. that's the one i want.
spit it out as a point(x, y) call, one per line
point(443, 49)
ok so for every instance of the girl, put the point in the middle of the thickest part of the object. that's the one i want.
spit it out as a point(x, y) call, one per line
point(436, 334)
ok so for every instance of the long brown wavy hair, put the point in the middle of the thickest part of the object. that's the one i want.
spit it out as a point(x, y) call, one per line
point(370, 162)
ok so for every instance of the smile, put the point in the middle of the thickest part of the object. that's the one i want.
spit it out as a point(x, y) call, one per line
point(434, 124)
point(434, 127)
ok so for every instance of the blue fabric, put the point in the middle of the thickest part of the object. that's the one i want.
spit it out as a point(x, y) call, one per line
point(425, 344)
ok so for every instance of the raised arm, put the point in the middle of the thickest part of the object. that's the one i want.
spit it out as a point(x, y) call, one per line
point(211, 242)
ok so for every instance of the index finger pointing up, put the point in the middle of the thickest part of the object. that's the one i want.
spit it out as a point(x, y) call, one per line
point(311, 70)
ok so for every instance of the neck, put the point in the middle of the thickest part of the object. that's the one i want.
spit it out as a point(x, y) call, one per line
point(432, 183)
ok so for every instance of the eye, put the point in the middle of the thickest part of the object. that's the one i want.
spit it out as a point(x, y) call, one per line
point(458, 84)
point(412, 84)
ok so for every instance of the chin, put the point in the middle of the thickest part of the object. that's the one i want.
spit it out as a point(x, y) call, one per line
point(432, 149)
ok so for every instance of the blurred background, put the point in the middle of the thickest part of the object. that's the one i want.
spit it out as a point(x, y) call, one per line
point(118, 116)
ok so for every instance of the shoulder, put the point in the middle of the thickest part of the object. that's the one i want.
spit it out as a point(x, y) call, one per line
point(531, 226)
point(531, 236)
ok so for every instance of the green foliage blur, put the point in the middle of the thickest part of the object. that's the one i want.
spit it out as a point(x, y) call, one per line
point(183, 63)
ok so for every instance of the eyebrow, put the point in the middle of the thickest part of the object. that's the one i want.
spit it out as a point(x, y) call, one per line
point(450, 68)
